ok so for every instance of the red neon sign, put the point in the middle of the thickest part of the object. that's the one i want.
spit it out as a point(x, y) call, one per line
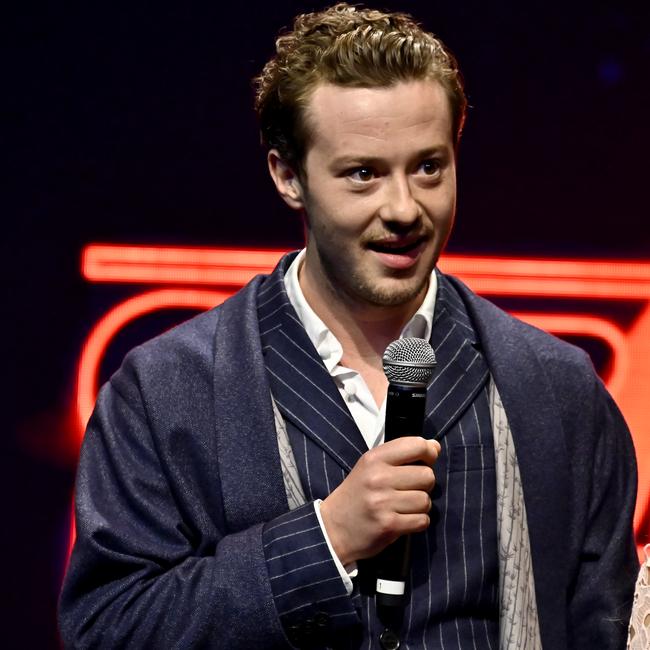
point(202, 278)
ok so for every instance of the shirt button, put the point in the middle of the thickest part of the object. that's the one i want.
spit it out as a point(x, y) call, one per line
point(350, 389)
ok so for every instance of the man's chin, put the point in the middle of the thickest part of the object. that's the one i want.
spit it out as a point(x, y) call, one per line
point(394, 295)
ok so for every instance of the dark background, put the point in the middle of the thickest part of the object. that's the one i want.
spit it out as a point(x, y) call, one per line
point(135, 125)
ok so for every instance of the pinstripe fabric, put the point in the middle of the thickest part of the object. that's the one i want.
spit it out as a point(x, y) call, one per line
point(304, 579)
point(453, 601)
point(306, 395)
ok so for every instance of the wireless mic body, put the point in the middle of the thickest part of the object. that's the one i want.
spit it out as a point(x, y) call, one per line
point(404, 410)
point(408, 364)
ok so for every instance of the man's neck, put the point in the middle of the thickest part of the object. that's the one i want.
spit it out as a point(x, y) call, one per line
point(363, 330)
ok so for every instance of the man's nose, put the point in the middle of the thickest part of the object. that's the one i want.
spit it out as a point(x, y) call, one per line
point(399, 205)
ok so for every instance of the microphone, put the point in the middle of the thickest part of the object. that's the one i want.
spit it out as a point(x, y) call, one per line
point(408, 365)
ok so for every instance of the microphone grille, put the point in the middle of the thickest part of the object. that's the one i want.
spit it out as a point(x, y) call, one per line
point(409, 361)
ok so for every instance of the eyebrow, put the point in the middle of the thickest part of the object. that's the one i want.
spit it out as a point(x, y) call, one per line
point(363, 160)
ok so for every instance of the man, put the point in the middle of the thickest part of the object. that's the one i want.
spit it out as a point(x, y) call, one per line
point(233, 490)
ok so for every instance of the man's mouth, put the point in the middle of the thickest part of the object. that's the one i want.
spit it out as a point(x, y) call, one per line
point(397, 247)
point(398, 254)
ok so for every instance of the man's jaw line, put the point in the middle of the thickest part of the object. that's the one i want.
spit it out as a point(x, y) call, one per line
point(346, 306)
point(364, 324)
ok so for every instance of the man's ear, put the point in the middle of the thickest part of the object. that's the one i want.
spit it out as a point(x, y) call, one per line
point(286, 180)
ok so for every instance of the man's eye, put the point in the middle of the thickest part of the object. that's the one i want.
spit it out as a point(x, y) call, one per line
point(362, 174)
point(430, 167)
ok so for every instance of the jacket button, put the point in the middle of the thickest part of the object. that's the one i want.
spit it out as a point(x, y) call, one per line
point(322, 622)
point(388, 640)
point(295, 634)
point(308, 627)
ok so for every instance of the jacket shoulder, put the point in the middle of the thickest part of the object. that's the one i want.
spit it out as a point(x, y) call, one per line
point(188, 341)
point(504, 336)
point(189, 345)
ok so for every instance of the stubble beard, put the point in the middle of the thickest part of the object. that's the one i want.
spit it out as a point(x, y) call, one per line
point(356, 287)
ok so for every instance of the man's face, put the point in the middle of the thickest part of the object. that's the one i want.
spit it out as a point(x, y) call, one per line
point(380, 190)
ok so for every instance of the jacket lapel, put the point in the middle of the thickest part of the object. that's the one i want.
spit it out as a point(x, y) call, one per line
point(301, 385)
point(461, 370)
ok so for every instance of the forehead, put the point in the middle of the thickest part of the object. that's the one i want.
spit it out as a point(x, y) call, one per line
point(398, 117)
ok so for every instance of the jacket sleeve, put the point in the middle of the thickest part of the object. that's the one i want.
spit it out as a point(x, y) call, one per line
point(602, 591)
point(155, 564)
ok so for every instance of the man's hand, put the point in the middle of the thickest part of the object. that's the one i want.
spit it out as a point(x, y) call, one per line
point(383, 498)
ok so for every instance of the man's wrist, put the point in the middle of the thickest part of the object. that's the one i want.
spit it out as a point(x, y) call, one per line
point(348, 571)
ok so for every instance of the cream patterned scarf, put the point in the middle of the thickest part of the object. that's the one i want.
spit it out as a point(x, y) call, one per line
point(638, 636)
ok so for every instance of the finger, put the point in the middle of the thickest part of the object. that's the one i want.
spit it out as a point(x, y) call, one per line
point(409, 449)
point(412, 477)
point(412, 523)
point(411, 502)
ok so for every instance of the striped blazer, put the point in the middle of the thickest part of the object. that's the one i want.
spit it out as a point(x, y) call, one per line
point(452, 600)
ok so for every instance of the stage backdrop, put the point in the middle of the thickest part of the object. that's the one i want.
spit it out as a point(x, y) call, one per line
point(133, 128)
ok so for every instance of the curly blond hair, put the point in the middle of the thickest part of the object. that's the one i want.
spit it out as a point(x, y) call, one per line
point(347, 46)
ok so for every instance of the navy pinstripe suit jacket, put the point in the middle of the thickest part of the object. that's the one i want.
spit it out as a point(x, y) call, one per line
point(452, 598)
point(179, 487)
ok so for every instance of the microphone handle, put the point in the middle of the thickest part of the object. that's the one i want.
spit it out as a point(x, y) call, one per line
point(404, 417)
point(404, 411)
